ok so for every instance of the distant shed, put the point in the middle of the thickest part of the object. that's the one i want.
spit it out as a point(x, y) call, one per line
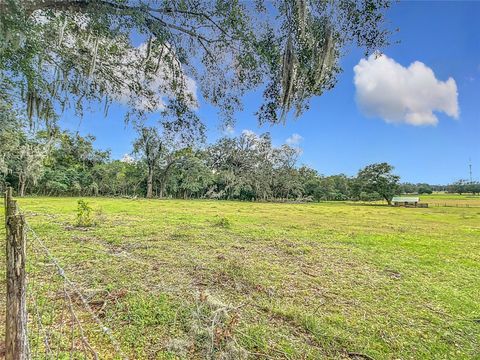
point(407, 201)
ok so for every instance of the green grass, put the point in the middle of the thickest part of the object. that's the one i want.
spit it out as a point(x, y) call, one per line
point(199, 279)
point(445, 199)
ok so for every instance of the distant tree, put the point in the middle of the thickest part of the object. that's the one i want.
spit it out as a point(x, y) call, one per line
point(29, 164)
point(68, 164)
point(172, 155)
point(378, 178)
point(464, 186)
point(424, 189)
point(191, 176)
point(408, 188)
point(474, 187)
point(458, 187)
point(150, 146)
point(233, 161)
point(341, 187)
point(117, 178)
point(10, 138)
point(21, 154)
point(310, 180)
point(250, 167)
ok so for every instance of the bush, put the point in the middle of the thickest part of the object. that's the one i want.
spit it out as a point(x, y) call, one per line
point(222, 222)
point(85, 216)
point(367, 196)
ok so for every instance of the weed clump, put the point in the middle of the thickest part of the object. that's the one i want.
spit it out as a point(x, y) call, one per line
point(222, 222)
point(85, 215)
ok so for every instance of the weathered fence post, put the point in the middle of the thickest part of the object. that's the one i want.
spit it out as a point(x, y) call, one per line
point(16, 341)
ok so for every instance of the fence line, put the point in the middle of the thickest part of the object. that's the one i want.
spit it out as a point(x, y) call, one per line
point(69, 283)
point(460, 205)
point(16, 325)
point(430, 203)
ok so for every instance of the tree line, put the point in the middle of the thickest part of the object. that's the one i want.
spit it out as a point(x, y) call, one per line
point(247, 167)
point(52, 162)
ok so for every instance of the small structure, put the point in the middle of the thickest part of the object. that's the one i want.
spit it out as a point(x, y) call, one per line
point(407, 201)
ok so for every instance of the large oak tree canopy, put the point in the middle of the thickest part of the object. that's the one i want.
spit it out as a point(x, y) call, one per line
point(154, 55)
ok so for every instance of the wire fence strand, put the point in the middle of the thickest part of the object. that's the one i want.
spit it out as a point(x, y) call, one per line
point(68, 286)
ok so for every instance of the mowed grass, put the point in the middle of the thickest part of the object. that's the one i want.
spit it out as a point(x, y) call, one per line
point(217, 279)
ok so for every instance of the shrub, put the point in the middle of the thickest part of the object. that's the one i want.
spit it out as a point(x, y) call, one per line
point(222, 222)
point(85, 216)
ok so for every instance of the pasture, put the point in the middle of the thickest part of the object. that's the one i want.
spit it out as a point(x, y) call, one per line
point(217, 279)
point(443, 199)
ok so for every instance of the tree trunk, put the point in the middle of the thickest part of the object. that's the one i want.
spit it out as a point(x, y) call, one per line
point(22, 185)
point(163, 180)
point(162, 187)
point(150, 184)
point(389, 200)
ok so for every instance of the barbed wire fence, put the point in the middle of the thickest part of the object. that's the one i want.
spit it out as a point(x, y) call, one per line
point(48, 314)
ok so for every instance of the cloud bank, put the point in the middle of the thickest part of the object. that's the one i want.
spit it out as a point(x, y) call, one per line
point(397, 94)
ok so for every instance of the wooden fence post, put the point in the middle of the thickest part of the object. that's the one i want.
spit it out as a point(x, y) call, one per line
point(16, 340)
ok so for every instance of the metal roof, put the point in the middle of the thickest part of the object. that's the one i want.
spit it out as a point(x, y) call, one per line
point(405, 199)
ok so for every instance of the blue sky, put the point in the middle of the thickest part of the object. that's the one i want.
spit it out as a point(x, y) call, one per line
point(336, 135)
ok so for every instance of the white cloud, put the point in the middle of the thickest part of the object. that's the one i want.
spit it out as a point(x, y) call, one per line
point(397, 94)
point(127, 159)
point(294, 139)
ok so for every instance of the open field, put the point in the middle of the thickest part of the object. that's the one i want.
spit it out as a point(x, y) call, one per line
point(200, 279)
point(441, 199)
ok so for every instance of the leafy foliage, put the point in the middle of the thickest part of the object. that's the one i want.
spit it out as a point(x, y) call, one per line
point(379, 178)
point(464, 186)
point(56, 54)
point(22, 153)
point(85, 215)
point(248, 167)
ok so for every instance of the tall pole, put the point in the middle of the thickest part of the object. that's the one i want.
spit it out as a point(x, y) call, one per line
point(470, 168)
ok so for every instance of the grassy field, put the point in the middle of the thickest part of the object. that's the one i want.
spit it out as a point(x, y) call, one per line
point(441, 199)
point(231, 280)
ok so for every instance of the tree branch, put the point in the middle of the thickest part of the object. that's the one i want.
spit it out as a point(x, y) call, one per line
point(81, 5)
